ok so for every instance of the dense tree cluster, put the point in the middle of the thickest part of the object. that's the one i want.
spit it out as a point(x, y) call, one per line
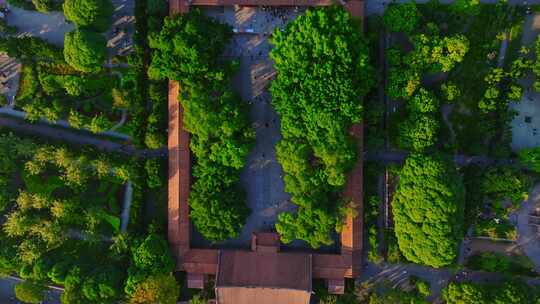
point(323, 72)
point(420, 128)
point(187, 50)
point(503, 183)
point(433, 53)
point(510, 292)
point(428, 210)
point(503, 86)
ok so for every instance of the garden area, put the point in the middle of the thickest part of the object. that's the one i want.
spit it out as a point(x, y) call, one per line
point(63, 224)
point(453, 71)
point(85, 84)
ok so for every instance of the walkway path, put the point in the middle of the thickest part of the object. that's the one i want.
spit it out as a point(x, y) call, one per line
point(63, 123)
point(78, 138)
point(397, 156)
point(398, 276)
point(528, 240)
point(128, 198)
point(526, 124)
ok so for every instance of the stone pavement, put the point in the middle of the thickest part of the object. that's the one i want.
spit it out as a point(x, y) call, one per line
point(51, 26)
point(11, 68)
point(262, 176)
point(526, 125)
point(120, 35)
point(529, 240)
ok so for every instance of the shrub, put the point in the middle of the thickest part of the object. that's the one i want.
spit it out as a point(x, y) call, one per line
point(30, 292)
point(85, 50)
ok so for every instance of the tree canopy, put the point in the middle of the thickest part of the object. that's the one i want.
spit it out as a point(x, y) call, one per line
point(85, 50)
point(90, 14)
point(428, 210)
point(401, 17)
point(161, 289)
point(187, 50)
point(323, 72)
point(508, 292)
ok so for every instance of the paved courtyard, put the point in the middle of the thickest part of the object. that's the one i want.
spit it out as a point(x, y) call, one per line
point(262, 176)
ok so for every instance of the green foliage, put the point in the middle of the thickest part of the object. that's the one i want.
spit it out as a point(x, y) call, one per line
point(505, 183)
point(401, 17)
point(103, 284)
point(418, 132)
point(316, 153)
point(153, 255)
point(423, 288)
point(156, 289)
point(499, 228)
point(90, 14)
point(85, 50)
point(428, 210)
point(28, 48)
point(437, 54)
point(497, 262)
point(468, 7)
point(154, 172)
point(463, 293)
point(450, 91)
point(216, 117)
point(531, 158)
point(30, 292)
point(508, 292)
point(46, 6)
point(536, 65)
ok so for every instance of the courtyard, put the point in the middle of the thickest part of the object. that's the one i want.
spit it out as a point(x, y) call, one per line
point(262, 176)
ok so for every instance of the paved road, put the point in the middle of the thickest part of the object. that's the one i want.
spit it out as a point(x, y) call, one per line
point(78, 138)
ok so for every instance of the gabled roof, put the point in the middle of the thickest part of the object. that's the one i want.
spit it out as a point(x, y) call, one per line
point(246, 277)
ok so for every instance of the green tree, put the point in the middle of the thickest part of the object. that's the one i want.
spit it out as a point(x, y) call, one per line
point(215, 116)
point(85, 50)
point(505, 183)
point(316, 151)
point(161, 289)
point(428, 210)
point(401, 17)
point(91, 14)
point(30, 292)
point(418, 132)
point(153, 255)
point(464, 293)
